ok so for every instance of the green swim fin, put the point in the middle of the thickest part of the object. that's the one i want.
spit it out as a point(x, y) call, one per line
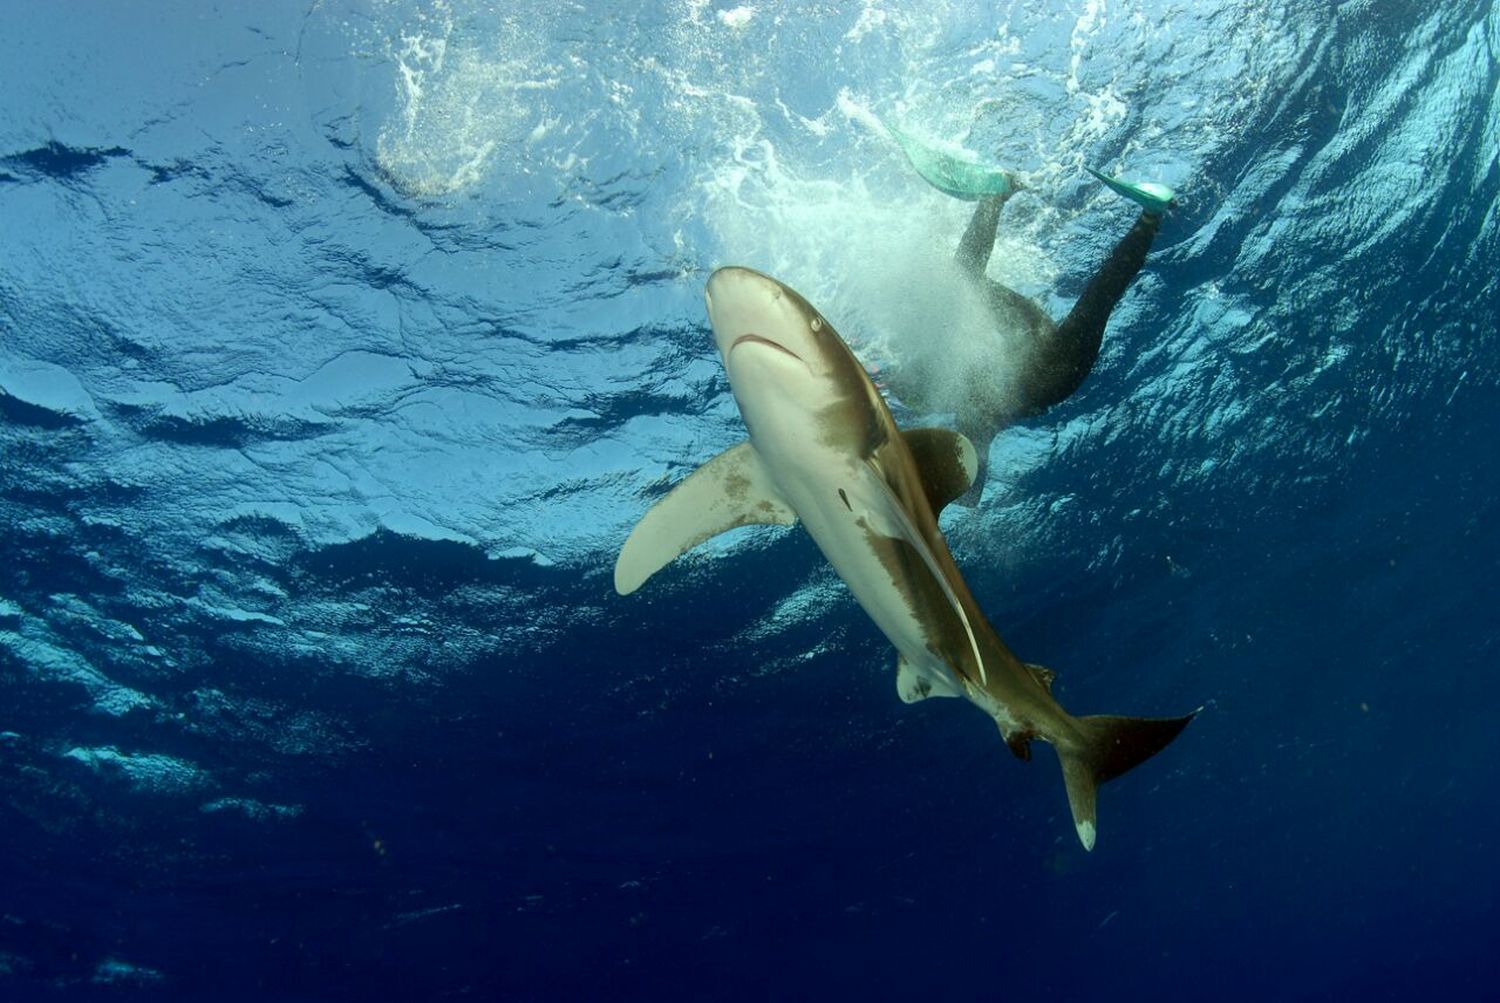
point(1149, 195)
point(956, 173)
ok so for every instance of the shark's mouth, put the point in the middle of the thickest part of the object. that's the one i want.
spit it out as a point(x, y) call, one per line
point(761, 340)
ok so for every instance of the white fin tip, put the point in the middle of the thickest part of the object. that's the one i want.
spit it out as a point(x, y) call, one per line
point(1086, 834)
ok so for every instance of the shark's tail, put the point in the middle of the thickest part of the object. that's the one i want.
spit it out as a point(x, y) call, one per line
point(1110, 746)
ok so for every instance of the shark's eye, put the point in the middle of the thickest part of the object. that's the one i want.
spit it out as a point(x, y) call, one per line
point(817, 323)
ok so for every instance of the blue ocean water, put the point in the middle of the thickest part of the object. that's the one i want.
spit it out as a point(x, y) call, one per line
point(341, 344)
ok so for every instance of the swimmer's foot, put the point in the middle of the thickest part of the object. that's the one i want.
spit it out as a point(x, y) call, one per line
point(955, 171)
point(1149, 195)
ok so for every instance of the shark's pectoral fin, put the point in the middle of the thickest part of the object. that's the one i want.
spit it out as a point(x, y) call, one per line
point(731, 490)
point(947, 461)
point(918, 682)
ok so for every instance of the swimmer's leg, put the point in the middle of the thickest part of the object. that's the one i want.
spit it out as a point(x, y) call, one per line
point(973, 254)
point(1066, 360)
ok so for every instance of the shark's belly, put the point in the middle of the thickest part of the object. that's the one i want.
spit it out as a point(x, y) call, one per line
point(886, 596)
point(861, 526)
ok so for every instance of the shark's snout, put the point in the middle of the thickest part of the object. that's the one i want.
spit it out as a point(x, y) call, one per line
point(744, 304)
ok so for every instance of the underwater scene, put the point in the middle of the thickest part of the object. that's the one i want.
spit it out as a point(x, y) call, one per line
point(702, 500)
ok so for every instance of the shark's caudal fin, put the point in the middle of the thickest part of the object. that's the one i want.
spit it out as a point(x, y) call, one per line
point(1111, 746)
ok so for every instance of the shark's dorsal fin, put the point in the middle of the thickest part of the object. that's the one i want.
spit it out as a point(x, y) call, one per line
point(1043, 675)
point(947, 462)
point(729, 491)
point(913, 683)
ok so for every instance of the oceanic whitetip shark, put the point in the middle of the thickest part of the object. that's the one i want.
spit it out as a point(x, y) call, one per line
point(824, 450)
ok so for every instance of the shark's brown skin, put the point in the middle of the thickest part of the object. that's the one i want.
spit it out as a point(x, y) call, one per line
point(824, 450)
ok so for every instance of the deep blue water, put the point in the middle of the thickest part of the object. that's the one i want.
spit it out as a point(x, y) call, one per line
point(341, 344)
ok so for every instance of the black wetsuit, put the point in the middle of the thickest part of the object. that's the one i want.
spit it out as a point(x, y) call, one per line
point(1060, 356)
point(1065, 353)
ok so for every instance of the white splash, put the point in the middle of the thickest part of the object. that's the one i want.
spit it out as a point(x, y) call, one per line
point(467, 96)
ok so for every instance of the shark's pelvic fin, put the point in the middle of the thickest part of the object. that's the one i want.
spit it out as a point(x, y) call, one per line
point(915, 683)
point(1110, 746)
point(947, 461)
point(729, 491)
point(909, 684)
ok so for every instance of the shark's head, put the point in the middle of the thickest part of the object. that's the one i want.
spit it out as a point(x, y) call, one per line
point(785, 362)
point(749, 310)
point(789, 369)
